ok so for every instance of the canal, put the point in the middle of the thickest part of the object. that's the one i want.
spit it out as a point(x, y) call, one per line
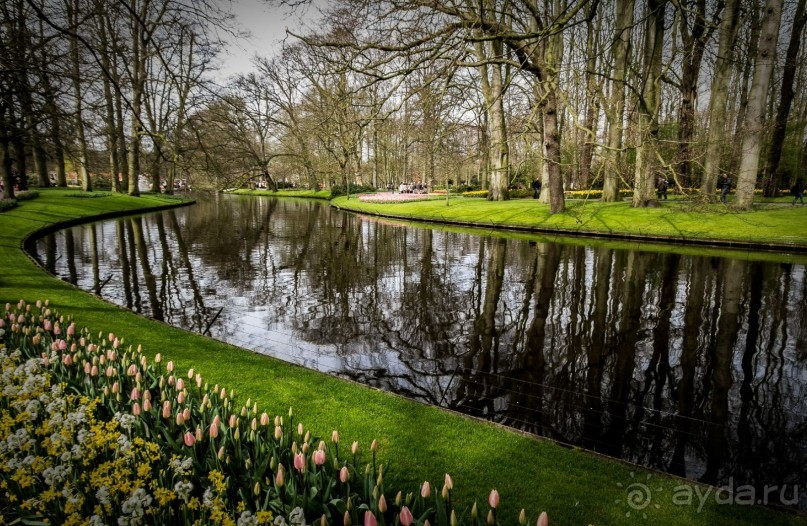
point(693, 364)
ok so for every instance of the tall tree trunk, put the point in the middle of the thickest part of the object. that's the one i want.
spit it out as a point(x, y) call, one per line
point(81, 140)
point(621, 56)
point(644, 191)
point(109, 103)
point(771, 178)
point(589, 134)
point(752, 13)
point(5, 156)
point(694, 43)
point(493, 90)
point(755, 117)
point(719, 96)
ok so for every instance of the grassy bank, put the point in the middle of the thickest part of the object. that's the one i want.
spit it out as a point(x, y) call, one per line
point(419, 442)
point(774, 225)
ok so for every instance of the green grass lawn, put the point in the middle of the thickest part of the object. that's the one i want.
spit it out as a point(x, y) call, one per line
point(769, 225)
point(418, 442)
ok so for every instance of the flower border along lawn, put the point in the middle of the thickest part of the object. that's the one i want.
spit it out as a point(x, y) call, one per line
point(766, 227)
point(419, 442)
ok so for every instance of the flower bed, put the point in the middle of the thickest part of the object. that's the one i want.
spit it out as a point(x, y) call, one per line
point(391, 198)
point(92, 432)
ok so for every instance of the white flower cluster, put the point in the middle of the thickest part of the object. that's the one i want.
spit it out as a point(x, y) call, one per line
point(134, 508)
point(126, 420)
point(247, 519)
point(181, 467)
point(183, 489)
point(296, 518)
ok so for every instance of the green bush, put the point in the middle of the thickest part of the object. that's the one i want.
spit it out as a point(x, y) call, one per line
point(7, 204)
point(26, 195)
point(93, 432)
point(338, 190)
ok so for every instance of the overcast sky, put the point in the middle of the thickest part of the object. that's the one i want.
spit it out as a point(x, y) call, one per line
point(268, 27)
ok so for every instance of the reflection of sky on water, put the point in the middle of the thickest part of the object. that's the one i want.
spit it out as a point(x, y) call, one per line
point(693, 365)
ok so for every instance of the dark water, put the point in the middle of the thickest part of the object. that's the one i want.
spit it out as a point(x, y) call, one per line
point(689, 364)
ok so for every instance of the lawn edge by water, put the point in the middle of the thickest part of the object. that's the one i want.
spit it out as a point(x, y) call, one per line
point(420, 441)
point(766, 228)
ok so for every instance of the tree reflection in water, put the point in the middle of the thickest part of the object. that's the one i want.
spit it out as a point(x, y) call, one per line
point(694, 365)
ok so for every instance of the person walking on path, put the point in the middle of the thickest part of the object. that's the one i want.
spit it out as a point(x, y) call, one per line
point(798, 192)
point(661, 188)
point(725, 186)
point(536, 188)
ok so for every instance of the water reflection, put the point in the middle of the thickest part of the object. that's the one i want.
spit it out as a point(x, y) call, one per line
point(691, 365)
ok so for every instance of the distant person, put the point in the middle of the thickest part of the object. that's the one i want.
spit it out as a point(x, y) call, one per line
point(798, 192)
point(536, 188)
point(661, 188)
point(725, 186)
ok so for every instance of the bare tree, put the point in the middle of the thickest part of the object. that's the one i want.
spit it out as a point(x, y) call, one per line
point(755, 117)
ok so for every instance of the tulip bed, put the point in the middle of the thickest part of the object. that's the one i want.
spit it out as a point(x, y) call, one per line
point(391, 198)
point(92, 432)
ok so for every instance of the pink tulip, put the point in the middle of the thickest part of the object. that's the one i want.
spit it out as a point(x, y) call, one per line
point(135, 395)
point(87, 367)
point(111, 336)
point(199, 380)
point(335, 439)
point(112, 355)
point(264, 419)
point(110, 371)
point(136, 409)
point(493, 499)
point(71, 330)
point(158, 358)
point(180, 420)
point(278, 432)
point(543, 520)
point(147, 405)
point(116, 344)
point(300, 428)
point(319, 457)
point(199, 435)
point(170, 367)
point(82, 342)
point(279, 478)
point(190, 440)
point(382, 503)
point(344, 474)
point(425, 490)
point(181, 397)
point(299, 462)
point(62, 345)
point(166, 409)
point(180, 384)
point(233, 421)
point(190, 373)
point(147, 395)
point(214, 430)
point(115, 388)
point(369, 519)
point(47, 325)
point(94, 370)
point(186, 414)
point(406, 517)
point(217, 420)
point(171, 380)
